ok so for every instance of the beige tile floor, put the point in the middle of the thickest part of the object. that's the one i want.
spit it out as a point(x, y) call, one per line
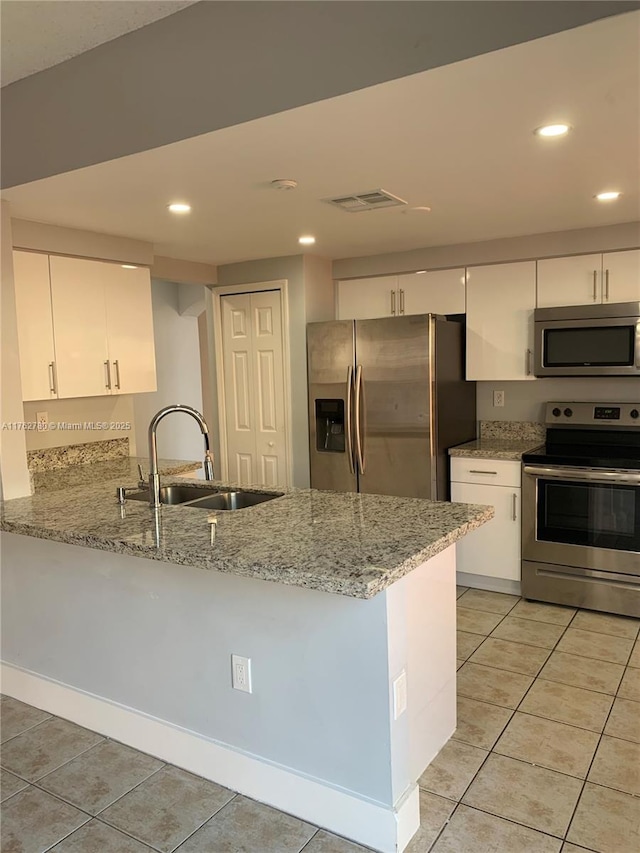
point(545, 759)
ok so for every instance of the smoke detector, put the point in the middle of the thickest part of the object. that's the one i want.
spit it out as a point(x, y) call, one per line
point(284, 184)
point(370, 200)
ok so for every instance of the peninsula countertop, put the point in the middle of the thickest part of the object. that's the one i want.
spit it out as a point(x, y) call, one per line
point(351, 544)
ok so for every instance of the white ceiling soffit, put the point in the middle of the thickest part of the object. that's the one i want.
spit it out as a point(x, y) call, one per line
point(458, 139)
point(38, 34)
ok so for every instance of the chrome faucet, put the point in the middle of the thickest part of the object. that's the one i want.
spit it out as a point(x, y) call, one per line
point(154, 476)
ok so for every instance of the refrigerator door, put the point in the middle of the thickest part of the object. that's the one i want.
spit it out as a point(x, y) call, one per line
point(330, 363)
point(394, 390)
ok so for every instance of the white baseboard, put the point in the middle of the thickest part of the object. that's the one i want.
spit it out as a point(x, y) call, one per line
point(382, 828)
point(485, 582)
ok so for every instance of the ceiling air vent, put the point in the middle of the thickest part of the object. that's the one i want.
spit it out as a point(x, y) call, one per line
point(370, 200)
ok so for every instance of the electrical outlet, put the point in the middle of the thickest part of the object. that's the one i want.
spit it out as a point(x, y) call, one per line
point(42, 420)
point(241, 673)
point(400, 695)
point(498, 398)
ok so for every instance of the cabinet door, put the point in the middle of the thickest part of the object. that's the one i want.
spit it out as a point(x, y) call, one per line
point(500, 304)
point(366, 298)
point(35, 325)
point(621, 276)
point(437, 292)
point(492, 550)
point(570, 281)
point(80, 326)
point(130, 329)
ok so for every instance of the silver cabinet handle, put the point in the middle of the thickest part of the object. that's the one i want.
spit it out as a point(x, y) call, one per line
point(393, 302)
point(401, 301)
point(349, 426)
point(358, 417)
point(514, 514)
point(529, 354)
point(53, 385)
point(475, 471)
point(595, 285)
point(116, 365)
point(107, 383)
point(606, 285)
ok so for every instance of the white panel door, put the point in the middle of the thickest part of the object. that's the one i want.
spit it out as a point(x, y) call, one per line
point(492, 550)
point(253, 368)
point(268, 388)
point(130, 329)
point(570, 281)
point(367, 298)
point(35, 325)
point(433, 292)
point(621, 272)
point(80, 327)
point(500, 305)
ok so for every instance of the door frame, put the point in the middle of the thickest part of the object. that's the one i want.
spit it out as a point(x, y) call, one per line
point(282, 286)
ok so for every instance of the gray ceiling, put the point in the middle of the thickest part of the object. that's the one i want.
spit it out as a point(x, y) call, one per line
point(218, 64)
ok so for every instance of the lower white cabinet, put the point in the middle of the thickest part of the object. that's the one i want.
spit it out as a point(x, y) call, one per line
point(492, 550)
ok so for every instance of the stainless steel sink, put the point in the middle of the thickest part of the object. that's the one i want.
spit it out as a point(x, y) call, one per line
point(176, 494)
point(234, 500)
point(202, 497)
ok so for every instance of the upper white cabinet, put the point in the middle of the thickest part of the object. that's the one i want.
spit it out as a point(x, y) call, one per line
point(621, 273)
point(94, 325)
point(367, 298)
point(35, 327)
point(500, 302)
point(588, 279)
point(433, 292)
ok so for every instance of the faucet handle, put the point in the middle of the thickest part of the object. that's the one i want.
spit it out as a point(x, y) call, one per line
point(142, 484)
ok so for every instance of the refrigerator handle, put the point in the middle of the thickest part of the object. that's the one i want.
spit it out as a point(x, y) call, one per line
point(358, 419)
point(348, 425)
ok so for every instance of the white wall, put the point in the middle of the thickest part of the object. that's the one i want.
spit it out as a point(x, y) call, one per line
point(524, 401)
point(14, 476)
point(179, 379)
point(112, 409)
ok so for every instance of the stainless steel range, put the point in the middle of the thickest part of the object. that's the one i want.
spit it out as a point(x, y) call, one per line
point(581, 509)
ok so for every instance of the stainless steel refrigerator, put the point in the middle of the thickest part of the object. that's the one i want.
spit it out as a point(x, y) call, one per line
point(387, 397)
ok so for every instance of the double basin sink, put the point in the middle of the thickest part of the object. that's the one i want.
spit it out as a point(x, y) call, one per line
point(202, 497)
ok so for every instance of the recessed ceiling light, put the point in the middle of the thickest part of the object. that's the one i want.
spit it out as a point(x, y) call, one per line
point(307, 240)
point(128, 267)
point(552, 130)
point(179, 207)
point(610, 195)
point(420, 272)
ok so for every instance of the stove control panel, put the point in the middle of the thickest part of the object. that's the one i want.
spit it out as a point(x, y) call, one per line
point(603, 415)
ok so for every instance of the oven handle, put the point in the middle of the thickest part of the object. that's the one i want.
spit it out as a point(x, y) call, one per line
point(577, 475)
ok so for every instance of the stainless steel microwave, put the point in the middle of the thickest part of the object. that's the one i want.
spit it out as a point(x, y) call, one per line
point(588, 340)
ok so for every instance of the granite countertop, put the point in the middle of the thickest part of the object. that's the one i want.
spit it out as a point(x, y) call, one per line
point(496, 448)
point(351, 544)
point(123, 469)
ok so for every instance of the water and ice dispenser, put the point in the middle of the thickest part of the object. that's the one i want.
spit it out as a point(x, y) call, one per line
point(330, 426)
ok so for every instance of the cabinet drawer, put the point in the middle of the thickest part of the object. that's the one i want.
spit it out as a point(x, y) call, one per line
point(491, 472)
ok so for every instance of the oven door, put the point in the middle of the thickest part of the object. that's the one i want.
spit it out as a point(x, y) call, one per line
point(588, 518)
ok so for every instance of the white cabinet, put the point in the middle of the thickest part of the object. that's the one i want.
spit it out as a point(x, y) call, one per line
point(93, 324)
point(35, 327)
point(493, 550)
point(588, 279)
point(432, 292)
point(500, 303)
point(621, 272)
point(80, 326)
point(366, 298)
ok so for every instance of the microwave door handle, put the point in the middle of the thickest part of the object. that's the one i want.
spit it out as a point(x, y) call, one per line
point(349, 426)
